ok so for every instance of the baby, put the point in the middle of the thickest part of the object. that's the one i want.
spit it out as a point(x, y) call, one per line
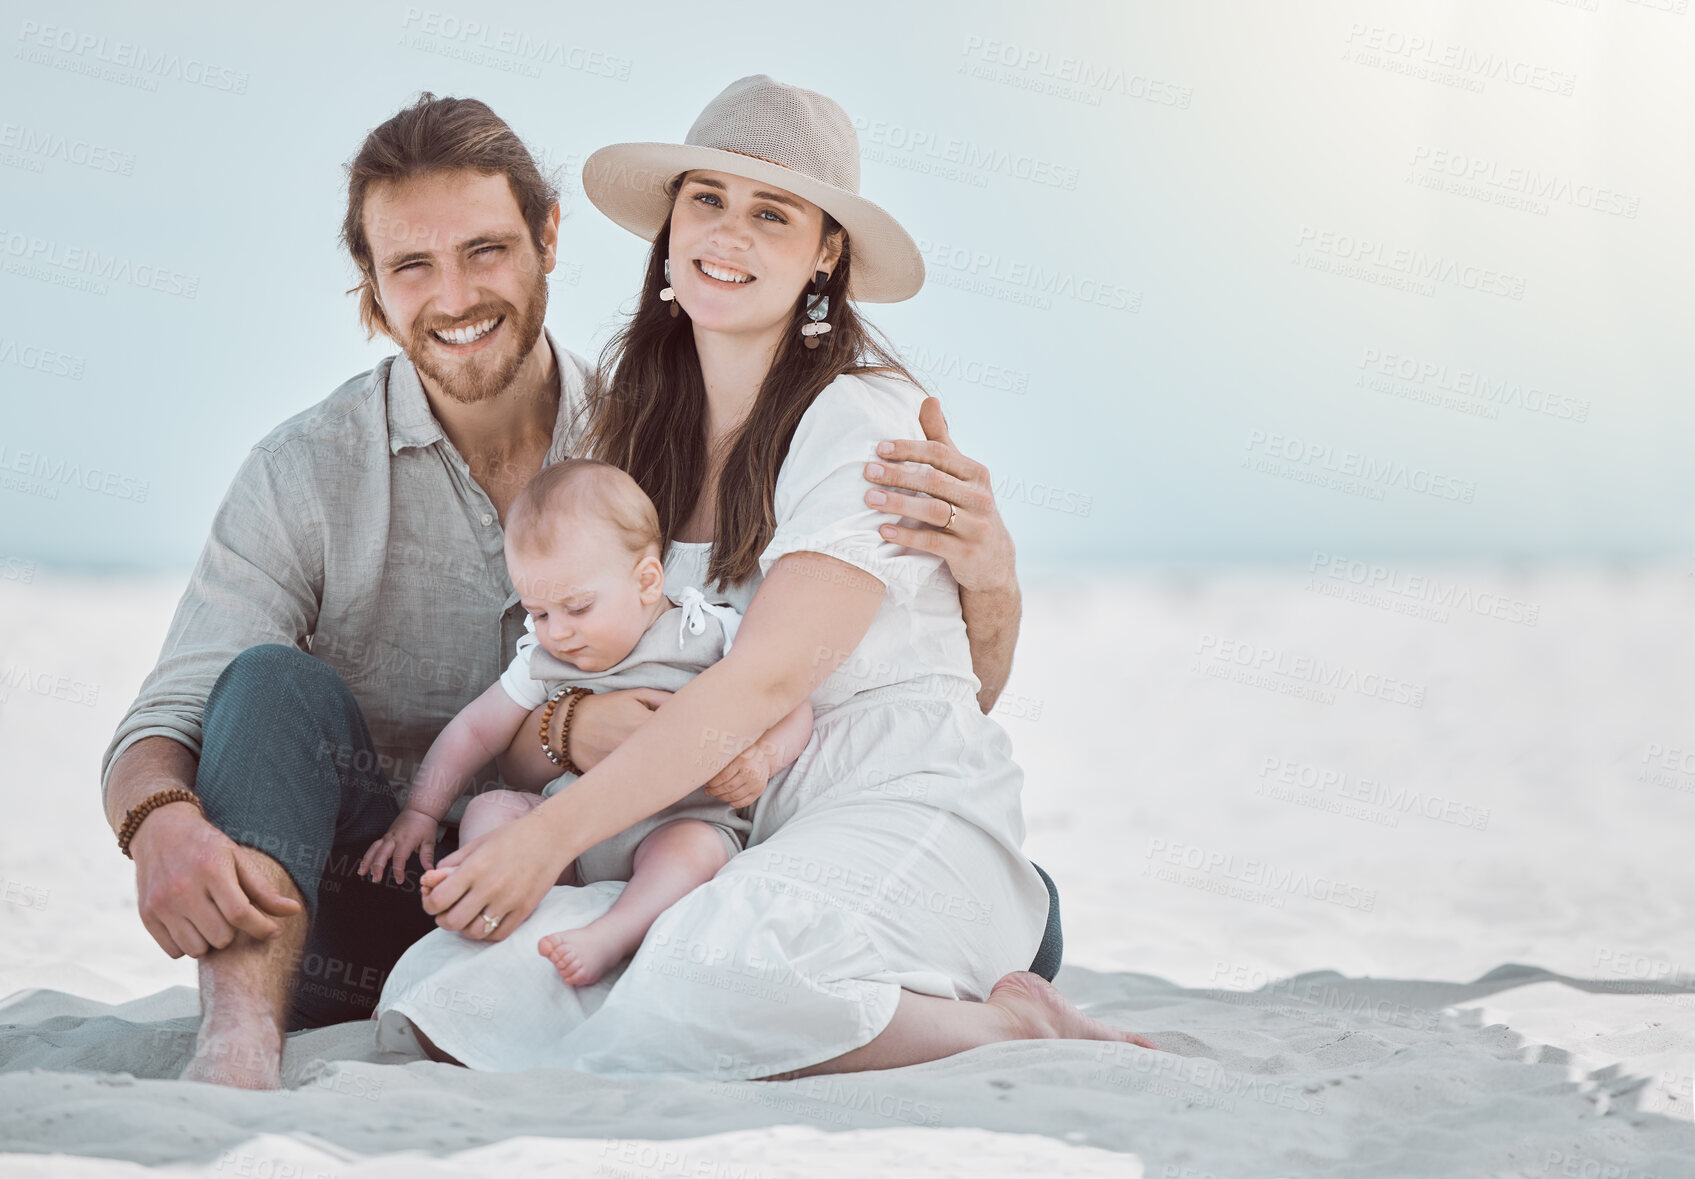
point(582, 548)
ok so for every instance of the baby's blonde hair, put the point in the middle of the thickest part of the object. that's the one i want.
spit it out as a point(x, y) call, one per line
point(580, 490)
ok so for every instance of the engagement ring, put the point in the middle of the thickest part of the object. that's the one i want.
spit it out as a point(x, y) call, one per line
point(490, 924)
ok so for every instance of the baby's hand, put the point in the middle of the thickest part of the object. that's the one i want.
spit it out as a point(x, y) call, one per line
point(744, 779)
point(412, 831)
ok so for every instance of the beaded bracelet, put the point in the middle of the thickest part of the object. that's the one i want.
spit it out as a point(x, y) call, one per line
point(135, 814)
point(562, 759)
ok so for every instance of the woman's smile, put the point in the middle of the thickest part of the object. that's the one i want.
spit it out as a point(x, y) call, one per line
point(723, 273)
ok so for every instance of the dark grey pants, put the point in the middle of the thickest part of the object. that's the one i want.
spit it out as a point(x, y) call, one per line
point(287, 765)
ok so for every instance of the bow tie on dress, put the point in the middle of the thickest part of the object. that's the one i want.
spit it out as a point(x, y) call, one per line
point(693, 604)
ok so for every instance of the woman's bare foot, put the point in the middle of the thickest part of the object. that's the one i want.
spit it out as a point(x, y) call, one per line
point(1038, 1011)
point(581, 956)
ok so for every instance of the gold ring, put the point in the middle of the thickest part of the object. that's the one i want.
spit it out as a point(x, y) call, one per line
point(490, 924)
point(952, 511)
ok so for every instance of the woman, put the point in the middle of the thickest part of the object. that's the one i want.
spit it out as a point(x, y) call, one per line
point(883, 881)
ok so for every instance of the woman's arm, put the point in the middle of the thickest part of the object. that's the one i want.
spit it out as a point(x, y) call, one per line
point(742, 781)
point(809, 614)
point(599, 724)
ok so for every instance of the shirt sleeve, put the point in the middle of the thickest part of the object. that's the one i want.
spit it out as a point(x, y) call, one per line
point(525, 690)
point(820, 494)
point(258, 580)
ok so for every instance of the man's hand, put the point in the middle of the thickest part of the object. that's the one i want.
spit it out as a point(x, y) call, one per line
point(194, 888)
point(976, 545)
point(742, 781)
point(411, 831)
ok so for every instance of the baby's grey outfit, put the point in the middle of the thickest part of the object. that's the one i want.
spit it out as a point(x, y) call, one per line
point(685, 640)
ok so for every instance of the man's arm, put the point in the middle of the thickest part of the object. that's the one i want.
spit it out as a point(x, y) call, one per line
point(257, 581)
point(976, 544)
point(175, 845)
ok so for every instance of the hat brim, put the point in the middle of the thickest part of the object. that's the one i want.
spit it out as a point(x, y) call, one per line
point(626, 181)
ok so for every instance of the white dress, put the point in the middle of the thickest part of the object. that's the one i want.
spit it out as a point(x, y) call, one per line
point(887, 857)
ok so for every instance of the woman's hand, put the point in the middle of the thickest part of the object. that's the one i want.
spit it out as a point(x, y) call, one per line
point(976, 545)
point(503, 874)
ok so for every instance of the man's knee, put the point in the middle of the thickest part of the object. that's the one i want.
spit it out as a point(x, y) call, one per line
point(273, 665)
point(276, 684)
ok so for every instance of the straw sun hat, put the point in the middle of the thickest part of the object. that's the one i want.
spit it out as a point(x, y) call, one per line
point(782, 135)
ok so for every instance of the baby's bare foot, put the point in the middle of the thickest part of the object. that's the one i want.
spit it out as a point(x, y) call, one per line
point(1038, 1010)
point(581, 956)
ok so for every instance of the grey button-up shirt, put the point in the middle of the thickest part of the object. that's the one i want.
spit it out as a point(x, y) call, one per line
point(354, 531)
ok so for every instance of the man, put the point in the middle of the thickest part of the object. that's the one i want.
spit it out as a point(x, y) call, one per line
point(353, 596)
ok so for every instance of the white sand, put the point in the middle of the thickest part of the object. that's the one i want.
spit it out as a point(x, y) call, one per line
point(1500, 999)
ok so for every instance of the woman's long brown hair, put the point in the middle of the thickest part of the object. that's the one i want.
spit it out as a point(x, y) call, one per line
point(647, 410)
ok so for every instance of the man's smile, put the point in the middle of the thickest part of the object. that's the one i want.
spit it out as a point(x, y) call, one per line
point(462, 338)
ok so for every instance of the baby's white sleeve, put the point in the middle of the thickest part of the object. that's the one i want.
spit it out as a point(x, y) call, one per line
point(525, 692)
point(820, 494)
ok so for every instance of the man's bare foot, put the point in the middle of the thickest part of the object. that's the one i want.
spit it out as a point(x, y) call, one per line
point(245, 1057)
point(581, 956)
point(1039, 1011)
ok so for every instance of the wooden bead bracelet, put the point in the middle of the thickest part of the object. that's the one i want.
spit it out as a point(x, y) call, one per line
point(138, 812)
point(562, 759)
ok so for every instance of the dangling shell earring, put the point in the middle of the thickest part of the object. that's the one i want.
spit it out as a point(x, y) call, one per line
point(817, 307)
point(666, 294)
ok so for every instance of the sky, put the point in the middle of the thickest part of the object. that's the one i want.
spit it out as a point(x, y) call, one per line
point(1207, 282)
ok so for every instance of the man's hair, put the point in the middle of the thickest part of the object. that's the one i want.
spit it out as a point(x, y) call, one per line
point(578, 489)
point(437, 135)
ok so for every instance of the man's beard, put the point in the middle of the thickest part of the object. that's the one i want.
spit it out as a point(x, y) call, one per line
point(478, 378)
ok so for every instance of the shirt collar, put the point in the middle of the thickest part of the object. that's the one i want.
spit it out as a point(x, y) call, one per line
point(410, 422)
